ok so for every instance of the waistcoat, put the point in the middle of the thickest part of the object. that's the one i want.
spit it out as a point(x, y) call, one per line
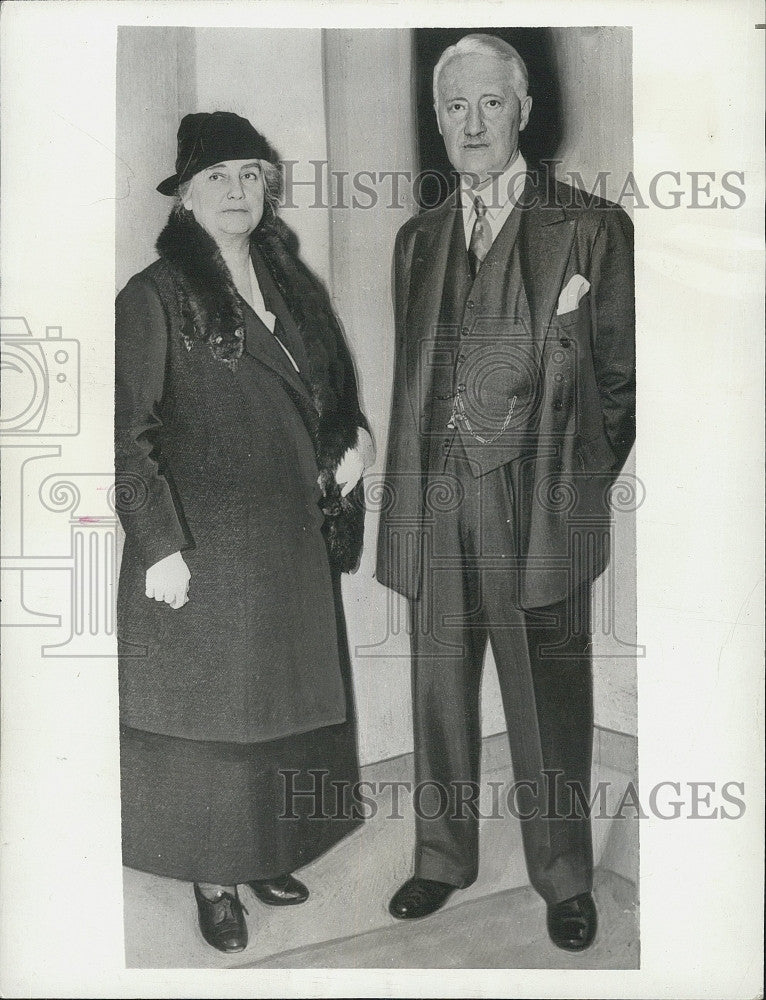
point(486, 366)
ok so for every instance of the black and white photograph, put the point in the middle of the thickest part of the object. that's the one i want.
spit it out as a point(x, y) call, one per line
point(376, 523)
point(245, 465)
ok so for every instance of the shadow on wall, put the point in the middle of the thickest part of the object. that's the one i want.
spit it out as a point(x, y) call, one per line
point(540, 140)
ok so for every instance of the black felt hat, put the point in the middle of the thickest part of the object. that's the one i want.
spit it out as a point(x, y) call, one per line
point(206, 138)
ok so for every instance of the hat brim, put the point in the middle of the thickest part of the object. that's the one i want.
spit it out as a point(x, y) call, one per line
point(169, 185)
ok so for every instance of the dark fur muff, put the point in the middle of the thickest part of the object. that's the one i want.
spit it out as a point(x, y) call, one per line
point(212, 314)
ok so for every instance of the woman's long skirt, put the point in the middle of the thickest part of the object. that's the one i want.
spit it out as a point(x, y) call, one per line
point(228, 813)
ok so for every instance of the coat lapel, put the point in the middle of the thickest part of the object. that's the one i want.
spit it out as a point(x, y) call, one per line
point(276, 304)
point(261, 344)
point(546, 235)
point(429, 266)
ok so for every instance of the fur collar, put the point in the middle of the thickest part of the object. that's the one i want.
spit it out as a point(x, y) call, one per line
point(210, 308)
point(211, 313)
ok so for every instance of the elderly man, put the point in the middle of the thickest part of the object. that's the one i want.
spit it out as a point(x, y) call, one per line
point(513, 411)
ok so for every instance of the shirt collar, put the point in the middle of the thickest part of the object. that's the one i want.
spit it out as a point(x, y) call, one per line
point(506, 187)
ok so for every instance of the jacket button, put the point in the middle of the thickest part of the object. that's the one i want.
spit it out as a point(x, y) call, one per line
point(461, 387)
point(445, 446)
point(558, 405)
point(565, 341)
point(465, 331)
point(461, 357)
point(469, 304)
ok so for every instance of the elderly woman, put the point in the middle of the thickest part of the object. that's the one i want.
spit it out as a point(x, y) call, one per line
point(239, 450)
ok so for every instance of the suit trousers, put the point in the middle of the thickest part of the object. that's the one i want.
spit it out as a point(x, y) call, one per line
point(469, 595)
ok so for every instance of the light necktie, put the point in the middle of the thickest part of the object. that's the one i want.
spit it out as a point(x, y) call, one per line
point(481, 237)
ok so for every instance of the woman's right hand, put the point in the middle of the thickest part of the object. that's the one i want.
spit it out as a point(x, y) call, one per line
point(168, 581)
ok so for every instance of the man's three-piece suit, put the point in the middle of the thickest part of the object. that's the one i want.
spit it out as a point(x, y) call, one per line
point(509, 424)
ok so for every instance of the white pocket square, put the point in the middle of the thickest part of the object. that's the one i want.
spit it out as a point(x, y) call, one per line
point(570, 297)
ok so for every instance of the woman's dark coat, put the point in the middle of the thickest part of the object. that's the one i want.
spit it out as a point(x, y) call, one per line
point(218, 446)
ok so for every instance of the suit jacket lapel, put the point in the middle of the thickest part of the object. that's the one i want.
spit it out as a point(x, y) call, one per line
point(428, 268)
point(546, 235)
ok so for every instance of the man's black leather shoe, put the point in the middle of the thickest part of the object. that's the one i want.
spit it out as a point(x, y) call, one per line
point(221, 921)
point(419, 897)
point(284, 891)
point(572, 924)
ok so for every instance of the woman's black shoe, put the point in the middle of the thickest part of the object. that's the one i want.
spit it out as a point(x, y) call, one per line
point(221, 921)
point(284, 891)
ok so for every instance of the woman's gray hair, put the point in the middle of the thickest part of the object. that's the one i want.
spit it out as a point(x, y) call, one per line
point(489, 45)
point(272, 186)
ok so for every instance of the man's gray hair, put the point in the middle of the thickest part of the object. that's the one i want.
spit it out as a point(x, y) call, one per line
point(489, 45)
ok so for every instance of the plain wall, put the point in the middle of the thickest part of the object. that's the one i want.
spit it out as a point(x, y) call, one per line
point(274, 78)
point(350, 102)
point(155, 89)
point(374, 134)
point(594, 67)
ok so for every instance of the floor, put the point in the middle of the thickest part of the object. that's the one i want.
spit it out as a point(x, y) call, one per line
point(503, 931)
point(499, 922)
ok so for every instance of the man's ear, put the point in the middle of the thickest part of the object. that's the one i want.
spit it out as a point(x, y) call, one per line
point(438, 123)
point(526, 107)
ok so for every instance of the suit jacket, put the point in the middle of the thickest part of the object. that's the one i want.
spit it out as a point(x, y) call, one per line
point(561, 466)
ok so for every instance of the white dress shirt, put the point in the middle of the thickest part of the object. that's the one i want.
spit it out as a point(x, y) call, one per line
point(500, 196)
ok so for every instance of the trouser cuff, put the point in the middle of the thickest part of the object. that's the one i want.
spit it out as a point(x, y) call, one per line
point(436, 867)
